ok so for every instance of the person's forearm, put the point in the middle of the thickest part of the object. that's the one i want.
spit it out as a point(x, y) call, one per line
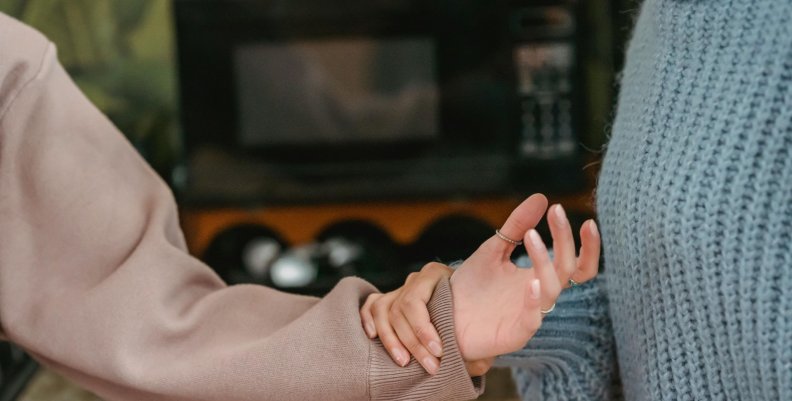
point(95, 280)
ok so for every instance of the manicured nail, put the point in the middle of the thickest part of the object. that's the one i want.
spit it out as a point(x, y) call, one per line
point(536, 240)
point(535, 289)
point(435, 348)
point(370, 330)
point(430, 365)
point(561, 215)
point(401, 359)
point(593, 228)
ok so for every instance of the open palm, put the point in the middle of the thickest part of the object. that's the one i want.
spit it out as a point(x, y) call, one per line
point(498, 306)
point(496, 309)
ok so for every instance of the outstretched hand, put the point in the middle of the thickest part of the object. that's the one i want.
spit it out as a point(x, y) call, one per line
point(498, 306)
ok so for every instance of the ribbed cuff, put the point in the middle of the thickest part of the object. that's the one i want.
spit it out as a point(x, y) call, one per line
point(388, 381)
point(573, 355)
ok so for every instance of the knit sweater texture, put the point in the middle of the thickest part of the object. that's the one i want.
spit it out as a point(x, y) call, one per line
point(695, 209)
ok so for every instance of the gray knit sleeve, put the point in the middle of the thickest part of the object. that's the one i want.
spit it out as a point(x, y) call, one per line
point(572, 356)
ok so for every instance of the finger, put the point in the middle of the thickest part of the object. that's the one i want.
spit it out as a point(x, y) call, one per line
point(436, 269)
point(407, 337)
point(414, 299)
point(521, 219)
point(533, 294)
point(563, 244)
point(365, 315)
point(417, 316)
point(531, 317)
point(543, 268)
point(386, 333)
point(588, 261)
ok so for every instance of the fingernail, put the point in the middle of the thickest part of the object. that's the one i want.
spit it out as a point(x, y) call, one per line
point(370, 329)
point(401, 359)
point(435, 348)
point(561, 215)
point(430, 365)
point(593, 228)
point(536, 240)
point(535, 289)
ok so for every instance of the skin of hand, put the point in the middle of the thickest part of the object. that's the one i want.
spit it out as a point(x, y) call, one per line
point(497, 306)
point(402, 322)
point(400, 317)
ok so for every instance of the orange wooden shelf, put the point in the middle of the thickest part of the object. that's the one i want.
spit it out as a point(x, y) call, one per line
point(404, 221)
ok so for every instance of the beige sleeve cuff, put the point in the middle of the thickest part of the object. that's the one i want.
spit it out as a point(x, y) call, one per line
point(388, 381)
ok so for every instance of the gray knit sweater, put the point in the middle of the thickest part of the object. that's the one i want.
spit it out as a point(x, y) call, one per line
point(695, 209)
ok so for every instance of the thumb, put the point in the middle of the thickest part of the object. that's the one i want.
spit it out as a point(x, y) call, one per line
point(523, 218)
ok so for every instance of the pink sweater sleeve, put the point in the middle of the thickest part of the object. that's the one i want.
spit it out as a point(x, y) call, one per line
point(96, 283)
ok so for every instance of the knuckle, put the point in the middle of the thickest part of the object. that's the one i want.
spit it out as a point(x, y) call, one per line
point(414, 346)
point(413, 304)
point(371, 299)
point(379, 309)
point(437, 268)
point(420, 332)
point(407, 295)
point(389, 341)
point(430, 266)
point(393, 314)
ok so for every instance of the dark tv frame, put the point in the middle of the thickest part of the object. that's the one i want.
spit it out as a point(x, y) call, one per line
point(472, 37)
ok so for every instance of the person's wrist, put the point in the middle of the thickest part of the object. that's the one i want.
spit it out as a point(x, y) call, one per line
point(477, 367)
point(459, 321)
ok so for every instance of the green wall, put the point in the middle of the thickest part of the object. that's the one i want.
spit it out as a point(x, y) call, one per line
point(121, 53)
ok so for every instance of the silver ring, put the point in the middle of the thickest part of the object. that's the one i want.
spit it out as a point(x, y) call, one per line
point(573, 283)
point(552, 308)
point(507, 239)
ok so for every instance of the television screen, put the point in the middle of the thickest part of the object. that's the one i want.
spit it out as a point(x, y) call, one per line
point(351, 90)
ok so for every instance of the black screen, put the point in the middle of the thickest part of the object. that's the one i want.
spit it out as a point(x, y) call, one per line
point(348, 90)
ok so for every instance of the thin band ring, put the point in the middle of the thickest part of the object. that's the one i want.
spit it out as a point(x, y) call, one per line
point(507, 239)
point(552, 308)
point(573, 283)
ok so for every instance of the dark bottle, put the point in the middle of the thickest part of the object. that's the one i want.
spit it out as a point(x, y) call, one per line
point(449, 239)
point(296, 270)
point(245, 253)
point(359, 248)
